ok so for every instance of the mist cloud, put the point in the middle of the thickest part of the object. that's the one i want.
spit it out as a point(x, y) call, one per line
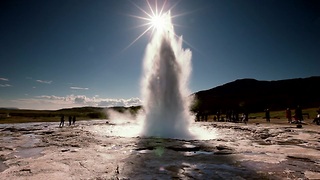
point(5, 85)
point(4, 79)
point(44, 82)
point(79, 88)
point(52, 102)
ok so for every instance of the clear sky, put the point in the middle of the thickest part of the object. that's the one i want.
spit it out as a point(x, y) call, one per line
point(67, 53)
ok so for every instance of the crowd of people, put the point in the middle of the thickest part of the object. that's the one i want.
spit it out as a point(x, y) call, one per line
point(72, 120)
point(235, 116)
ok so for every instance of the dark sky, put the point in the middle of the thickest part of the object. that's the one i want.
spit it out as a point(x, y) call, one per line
point(77, 50)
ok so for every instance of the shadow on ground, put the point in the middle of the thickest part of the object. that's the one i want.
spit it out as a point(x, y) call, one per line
point(157, 158)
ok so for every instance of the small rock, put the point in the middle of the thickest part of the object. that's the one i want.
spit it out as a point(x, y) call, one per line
point(74, 150)
point(221, 147)
point(299, 126)
point(65, 150)
point(223, 152)
point(26, 170)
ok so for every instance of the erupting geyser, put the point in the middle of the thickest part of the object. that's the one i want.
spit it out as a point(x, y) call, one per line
point(165, 93)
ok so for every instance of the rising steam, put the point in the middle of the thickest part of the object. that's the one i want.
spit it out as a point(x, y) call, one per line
point(165, 93)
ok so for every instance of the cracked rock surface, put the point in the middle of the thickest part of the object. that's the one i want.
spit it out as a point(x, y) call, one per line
point(94, 150)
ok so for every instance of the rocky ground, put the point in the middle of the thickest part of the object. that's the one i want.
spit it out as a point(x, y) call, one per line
point(96, 150)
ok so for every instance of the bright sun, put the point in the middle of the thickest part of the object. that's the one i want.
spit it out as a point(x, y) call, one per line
point(155, 20)
point(160, 22)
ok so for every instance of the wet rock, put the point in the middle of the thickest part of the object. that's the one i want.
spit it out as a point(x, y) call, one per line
point(183, 149)
point(299, 158)
point(74, 150)
point(3, 166)
point(222, 147)
point(48, 132)
point(264, 136)
point(6, 148)
point(75, 145)
point(26, 170)
point(291, 142)
point(11, 129)
point(265, 142)
point(289, 130)
point(223, 152)
point(65, 150)
point(144, 148)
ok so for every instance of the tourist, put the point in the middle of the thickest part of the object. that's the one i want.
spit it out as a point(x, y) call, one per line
point(74, 120)
point(227, 116)
point(298, 114)
point(244, 117)
point(61, 121)
point(70, 119)
point(288, 115)
point(218, 115)
point(267, 115)
point(236, 116)
point(317, 119)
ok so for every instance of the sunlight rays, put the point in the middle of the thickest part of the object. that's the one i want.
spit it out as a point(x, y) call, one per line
point(156, 20)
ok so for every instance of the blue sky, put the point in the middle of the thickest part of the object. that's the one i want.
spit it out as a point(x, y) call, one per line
point(67, 53)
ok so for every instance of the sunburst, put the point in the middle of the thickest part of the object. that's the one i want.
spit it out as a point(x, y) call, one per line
point(157, 20)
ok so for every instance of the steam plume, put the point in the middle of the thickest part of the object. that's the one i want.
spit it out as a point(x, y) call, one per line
point(167, 68)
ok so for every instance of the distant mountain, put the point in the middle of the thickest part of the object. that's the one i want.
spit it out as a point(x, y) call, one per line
point(8, 108)
point(254, 96)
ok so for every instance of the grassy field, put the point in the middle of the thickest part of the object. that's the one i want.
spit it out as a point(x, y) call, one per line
point(87, 113)
point(278, 117)
point(25, 116)
point(312, 112)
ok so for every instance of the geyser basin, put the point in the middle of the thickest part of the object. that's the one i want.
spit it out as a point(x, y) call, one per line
point(203, 131)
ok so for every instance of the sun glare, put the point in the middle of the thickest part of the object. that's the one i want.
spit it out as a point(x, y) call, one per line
point(156, 19)
point(160, 22)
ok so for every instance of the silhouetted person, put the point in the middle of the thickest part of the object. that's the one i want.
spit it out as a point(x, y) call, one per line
point(61, 121)
point(73, 120)
point(70, 119)
point(317, 119)
point(288, 115)
point(267, 115)
point(218, 115)
point(245, 117)
point(237, 116)
point(227, 116)
point(233, 116)
point(298, 114)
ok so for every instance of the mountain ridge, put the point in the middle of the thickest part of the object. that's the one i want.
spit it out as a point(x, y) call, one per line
point(256, 95)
